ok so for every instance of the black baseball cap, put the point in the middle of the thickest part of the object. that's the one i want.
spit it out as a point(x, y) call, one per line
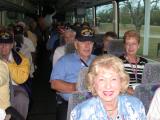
point(85, 34)
point(6, 37)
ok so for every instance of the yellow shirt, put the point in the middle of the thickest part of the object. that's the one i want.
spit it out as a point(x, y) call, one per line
point(19, 73)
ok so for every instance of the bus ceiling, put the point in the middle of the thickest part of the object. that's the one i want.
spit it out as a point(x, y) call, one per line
point(48, 6)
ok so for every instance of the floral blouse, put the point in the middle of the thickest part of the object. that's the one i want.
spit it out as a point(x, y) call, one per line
point(129, 108)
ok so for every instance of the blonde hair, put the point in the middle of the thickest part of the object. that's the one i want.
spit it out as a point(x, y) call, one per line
point(103, 63)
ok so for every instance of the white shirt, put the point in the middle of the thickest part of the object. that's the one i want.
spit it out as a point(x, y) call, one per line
point(2, 114)
point(27, 49)
point(59, 52)
point(154, 110)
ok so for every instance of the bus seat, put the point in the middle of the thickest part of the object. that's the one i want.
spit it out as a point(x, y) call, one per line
point(145, 93)
point(116, 47)
point(82, 94)
point(151, 73)
point(81, 82)
point(75, 99)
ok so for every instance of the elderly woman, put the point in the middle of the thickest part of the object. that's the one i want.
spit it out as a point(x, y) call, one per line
point(133, 63)
point(107, 81)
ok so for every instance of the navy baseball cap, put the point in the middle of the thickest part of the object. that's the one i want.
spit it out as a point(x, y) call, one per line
point(6, 37)
point(85, 34)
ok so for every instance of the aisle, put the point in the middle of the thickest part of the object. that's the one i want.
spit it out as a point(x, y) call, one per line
point(43, 99)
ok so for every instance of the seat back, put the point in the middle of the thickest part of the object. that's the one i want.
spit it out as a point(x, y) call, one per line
point(76, 99)
point(116, 47)
point(145, 93)
point(151, 73)
point(81, 82)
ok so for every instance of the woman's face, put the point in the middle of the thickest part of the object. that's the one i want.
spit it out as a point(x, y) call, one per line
point(108, 85)
point(131, 46)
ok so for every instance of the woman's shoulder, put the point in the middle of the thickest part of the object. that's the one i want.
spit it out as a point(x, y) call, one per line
point(87, 103)
point(144, 60)
point(130, 99)
point(86, 110)
point(133, 107)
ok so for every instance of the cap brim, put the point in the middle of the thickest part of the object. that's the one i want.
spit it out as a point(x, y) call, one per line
point(86, 38)
point(6, 41)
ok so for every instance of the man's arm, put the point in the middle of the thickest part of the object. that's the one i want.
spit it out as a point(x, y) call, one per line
point(62, 86)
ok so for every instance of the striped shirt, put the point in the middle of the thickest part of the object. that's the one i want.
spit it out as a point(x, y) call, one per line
point(135, 70)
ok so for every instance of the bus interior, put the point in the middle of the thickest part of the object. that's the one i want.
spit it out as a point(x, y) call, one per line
point(102, 15)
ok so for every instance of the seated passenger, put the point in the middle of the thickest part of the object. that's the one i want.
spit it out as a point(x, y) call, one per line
point(4, 86)
point(154, 109)
point(108, 36)
point(133, 63)
point(19, 69)
point(5, 105)
point(65, 72)
point(69, 37)
point(107, 80)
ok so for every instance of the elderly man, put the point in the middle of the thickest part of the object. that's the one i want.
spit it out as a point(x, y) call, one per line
point(69, 37)
point(19, 69)
point(65, 72)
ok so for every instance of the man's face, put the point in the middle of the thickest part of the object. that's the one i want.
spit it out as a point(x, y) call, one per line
point(69, 37)
point(5, 49)
point(84, 49)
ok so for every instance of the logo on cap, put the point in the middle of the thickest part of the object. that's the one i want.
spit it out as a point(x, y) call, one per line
point(87, 32)
point(4, 35)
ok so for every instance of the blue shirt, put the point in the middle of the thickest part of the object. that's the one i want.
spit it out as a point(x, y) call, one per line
point(129, 108)
point(67, 69)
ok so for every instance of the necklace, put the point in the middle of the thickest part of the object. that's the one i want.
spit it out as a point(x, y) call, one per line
point(111, 113)
point(134, 69)
point(116, 118)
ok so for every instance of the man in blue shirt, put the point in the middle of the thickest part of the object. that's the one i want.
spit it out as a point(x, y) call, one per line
point(65, 72)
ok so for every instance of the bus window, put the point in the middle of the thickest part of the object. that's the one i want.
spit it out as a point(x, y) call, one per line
point(154, 40)
point(89, 16)
point(104, 18)
point(132, 16)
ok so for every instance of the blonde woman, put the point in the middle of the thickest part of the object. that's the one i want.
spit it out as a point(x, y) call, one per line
point(107, 81)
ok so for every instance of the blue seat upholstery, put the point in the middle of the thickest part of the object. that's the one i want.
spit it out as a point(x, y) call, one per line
point(116, 47)
point(151, 73)
point(145, 93)
point(83, 93)
point(76, 99)
point(81, 82)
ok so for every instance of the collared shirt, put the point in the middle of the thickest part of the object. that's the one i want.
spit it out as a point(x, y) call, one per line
point(58, 53)
point(19, 73)
point(129, 108)
point(67, 69)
